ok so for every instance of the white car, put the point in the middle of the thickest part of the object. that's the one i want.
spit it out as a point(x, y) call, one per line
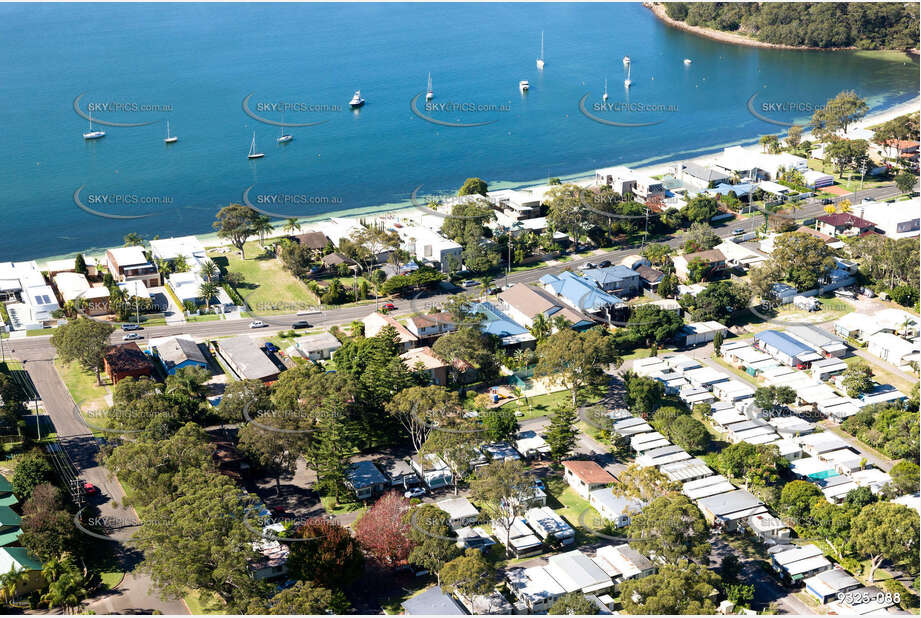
point(257, 324)
point(132, 337)
point(415, 492)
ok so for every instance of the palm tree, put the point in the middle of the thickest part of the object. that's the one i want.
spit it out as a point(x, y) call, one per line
point(133, 240)
point(263, 226)
point(540, 327)
point(210, 270)
point(10, 583)
point(188, 381)
point(66, 592)
point(291, 225)
point(485, 280)
point(560, 323)
point(207, 290)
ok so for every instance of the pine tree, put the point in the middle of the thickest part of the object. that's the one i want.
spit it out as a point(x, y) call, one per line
point(718, 342)
point(562, 433)
point(80, 265)
point(330, 456)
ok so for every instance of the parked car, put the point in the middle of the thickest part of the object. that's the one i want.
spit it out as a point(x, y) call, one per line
point(845, 294)
point(388, 306)
point(540, 485)
point(271, 347)
point(469, 283)
point(301, 324)
point(604, 263)
point(132, 337)
point(415, 492)
point(739, 230)
point(90, 489)
point(127, 327)
point(826, 201)
point(586, 266)
point(257, 324)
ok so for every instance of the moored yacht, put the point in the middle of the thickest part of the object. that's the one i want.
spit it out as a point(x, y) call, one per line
point(356, 101)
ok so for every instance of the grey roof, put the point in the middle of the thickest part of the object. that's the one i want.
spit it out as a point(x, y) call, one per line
point(247, 358)
point(662, 451)
point(796, 554)
point(432, 602)
point(363, 474)
point(178, 350)
point(813, 335)
point(704, 173)
point(394, 467)
point(318, 342)
point(729, 502)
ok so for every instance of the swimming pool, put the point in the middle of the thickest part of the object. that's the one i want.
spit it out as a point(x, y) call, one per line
point(824, 474)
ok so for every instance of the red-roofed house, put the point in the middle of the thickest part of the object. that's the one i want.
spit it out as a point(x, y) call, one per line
point(586, 476)
point(375, 323)
point(843, 224)
point(126, 360)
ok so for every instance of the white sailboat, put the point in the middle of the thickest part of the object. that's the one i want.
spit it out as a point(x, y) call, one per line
point(604, 97)
point(252, 150)
point(523, 85)
point(93, 134)
point(626, 60)
point(170, 139)
point(283, 137)
point(540, 59)
point(429, 93)
point(627, 82)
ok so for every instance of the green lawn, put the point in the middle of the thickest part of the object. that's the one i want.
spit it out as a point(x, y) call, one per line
point(210, 604)
point(541, 405)
point(266, 282)
point(82, 385)
point(329, 503)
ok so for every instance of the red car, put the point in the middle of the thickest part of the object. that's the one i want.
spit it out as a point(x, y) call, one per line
point(90, 489)
point(388, 306)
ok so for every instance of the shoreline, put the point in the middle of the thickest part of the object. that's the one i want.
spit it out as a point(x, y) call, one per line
point(403, 210)
point(658, 9)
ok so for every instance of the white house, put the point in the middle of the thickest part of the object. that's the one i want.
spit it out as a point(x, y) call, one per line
point(615, 509)
point(461, 512)
point(896, 220)
point(546, 523)
point(430, 246)
point(891, 348)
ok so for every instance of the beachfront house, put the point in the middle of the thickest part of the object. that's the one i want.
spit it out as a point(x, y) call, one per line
point(131, 264)
point(701, 176)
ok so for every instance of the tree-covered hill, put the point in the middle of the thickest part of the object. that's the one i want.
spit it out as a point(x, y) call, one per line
point(865, 25)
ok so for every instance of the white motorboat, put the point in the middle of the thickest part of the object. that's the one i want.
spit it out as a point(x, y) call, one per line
point(356, 101)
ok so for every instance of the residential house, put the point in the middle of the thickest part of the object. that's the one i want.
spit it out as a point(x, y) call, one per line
point(7, 497)
point(188, 248)
point(535, 589)
point(649, 277)
point(649, 189)
point(69, 265)
point(315, 241)
point(521, 540)
point(843, 224)
point(500, 451)
point(492, 604)
point(429, 246)
point(622, 563)
point(585, 476)
point(661, 456)
point(430, 364)
point(247, 359)
point(696, 333)
point(177, 353)
point(821, 340)
point(727, 510)
point(461, 513)
point(473, 537)
point(18, 559)
point(531, 444)
point(754, 164)
point(523, 303)
point(431, 325)
point(131, 264)
point(892, 348)
point(126, 360)
point(546, 523)
point(333, 260)
point(518, 204)
point(785, 349)
point(273, 554)
point(701, 176)
point(800, 562)
point(10, 526)
point(337, 229)
point(686, 470)
point(768, 528)
point(432, 602)
point(317, 347)
point(618, 280)
point(376, 322)
point(580, 293)
point(712, 259)
point(621, 179)
point(509, 332)
point(613, 508)
point(576, 572)
point(74, 287)
point(433, 471)
point(399, 472)
point(740, 256)
point(896, 220)
point(364, 478)
point(707, 486)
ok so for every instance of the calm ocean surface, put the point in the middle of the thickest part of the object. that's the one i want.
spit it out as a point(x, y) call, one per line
point(199, 61)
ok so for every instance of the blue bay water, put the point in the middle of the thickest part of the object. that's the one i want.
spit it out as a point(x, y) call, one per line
point(203, 59)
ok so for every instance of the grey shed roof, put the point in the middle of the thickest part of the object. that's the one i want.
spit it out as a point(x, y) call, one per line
point(432, 602)
point(729, 502)
point(365, 474)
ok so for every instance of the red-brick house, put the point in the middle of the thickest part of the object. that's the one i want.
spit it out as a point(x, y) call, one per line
point(126, 360)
